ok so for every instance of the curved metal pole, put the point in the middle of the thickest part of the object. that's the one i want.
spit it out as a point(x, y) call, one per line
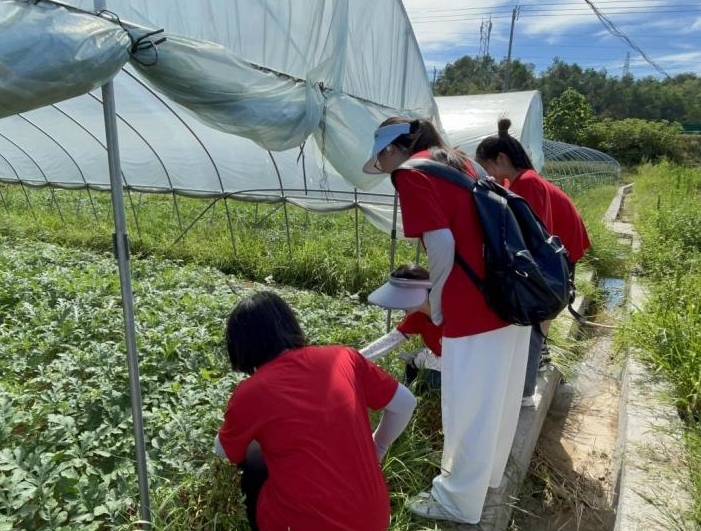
point(9, 165)
point(22, 185)
point(5, 204)
point(160, 161)
point(75, 163)
point(284, 204)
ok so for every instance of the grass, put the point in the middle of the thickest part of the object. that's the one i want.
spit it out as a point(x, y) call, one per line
point(66, 450)
point(322, 253)
point(667, 331)
point(66, 444)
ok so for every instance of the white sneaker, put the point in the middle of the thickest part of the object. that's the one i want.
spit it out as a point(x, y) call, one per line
point(528, 401)
point(426, 506)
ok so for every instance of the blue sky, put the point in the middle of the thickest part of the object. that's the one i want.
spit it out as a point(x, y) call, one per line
point(667, 33)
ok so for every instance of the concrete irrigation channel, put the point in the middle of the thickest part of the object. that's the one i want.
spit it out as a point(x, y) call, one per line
point(607, 434)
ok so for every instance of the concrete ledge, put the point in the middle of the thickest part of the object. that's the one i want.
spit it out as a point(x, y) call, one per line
point(653, 475)
point(499, 503)
point(614, 209)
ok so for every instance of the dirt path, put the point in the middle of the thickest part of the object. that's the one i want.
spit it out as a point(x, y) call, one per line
point(571, 481)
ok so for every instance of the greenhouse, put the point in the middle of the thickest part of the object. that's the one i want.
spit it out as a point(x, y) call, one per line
point(190, 99)
point(294, 128)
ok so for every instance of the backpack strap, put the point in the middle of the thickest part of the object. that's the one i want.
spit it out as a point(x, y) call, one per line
point(455, 176)
point(444, 171)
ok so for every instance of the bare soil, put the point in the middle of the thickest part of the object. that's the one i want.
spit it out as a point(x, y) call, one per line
point(571, 482)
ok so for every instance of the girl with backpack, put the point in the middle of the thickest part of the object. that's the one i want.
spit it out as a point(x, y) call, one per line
point(504, 158)
point(483, 356)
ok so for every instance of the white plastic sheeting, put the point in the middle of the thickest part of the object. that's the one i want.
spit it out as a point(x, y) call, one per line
point(48, 54)
point(240, 100)
point(274, 71)
point(468, 119)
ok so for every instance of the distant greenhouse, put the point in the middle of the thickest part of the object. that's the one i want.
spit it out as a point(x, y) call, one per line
point(575, 168)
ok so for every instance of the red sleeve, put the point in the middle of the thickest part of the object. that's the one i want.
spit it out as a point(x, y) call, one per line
point(238, 429)
point(412, 324)
point(377, 385)
point(569, 225)
point(421, 209)
point(420, 323)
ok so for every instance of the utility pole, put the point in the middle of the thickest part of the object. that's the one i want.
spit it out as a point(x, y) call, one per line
point(514, 17)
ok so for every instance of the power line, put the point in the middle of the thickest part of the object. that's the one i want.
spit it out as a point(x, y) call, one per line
point(466, 42)
point(558, 5)
point(611, 27)
point(588, 35)
point(530, 13)
point(475, 13)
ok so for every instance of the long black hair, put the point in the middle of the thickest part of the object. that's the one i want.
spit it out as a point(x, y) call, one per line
point(490, 147)
point(411, 272)
point(259, 329)
point(423, 136)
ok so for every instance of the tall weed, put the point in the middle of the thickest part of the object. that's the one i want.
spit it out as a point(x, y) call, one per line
point(667, 331)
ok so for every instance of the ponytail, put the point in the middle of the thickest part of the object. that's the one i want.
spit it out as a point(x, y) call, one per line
point(490, 147)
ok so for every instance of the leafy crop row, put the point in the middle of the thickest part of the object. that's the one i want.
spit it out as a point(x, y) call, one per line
point(66, 441)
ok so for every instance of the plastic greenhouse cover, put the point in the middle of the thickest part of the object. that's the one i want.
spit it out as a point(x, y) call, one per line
point(84, 51)
point(468, 119)
point(241, 99)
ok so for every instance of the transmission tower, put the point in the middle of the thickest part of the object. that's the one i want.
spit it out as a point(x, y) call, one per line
point(626, 65)
point(485, 33)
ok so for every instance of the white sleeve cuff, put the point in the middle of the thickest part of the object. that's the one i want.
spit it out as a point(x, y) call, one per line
point(394, 419)
point(219, 449)
point(383, 345)
point(440, 249)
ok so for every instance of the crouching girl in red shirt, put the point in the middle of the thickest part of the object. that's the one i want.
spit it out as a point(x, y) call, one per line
point(299, 425)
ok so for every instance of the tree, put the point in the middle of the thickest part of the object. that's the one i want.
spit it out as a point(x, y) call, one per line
point(482, 75)
point(467, 75)
point(634, 141)
point(674, 99)
point(521, 75)
point(568, 116)
point(557, 79)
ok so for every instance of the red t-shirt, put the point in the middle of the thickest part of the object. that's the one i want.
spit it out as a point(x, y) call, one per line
point(308, 410)
point(420, 323)
point(534, 189)
point(431, 203)
point(556, 210)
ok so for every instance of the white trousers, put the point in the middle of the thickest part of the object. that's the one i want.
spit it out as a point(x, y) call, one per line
point(481, 389)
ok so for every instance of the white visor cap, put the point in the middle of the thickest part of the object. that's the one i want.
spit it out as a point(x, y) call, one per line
point(384, 136)
point(401, 294)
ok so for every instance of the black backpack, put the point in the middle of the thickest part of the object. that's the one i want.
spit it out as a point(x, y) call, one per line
point(527, 271)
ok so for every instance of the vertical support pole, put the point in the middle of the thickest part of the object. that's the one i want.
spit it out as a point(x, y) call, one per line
point(121, 247)
point(392, 250)
point(357, 227)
